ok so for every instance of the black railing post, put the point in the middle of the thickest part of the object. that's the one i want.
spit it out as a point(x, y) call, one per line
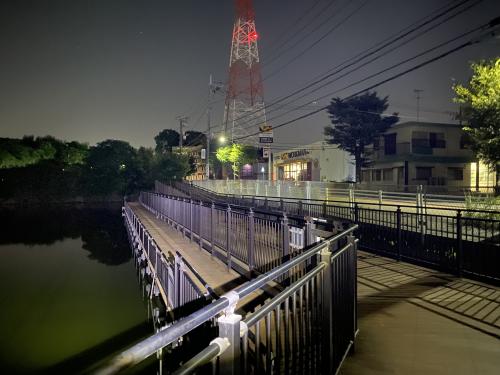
point(251, 240)
point(177, 281)
point(300, 208)
point(460, 250)
point(286, 237)
point(327, 291)
point(353, 277)
point(228, 236)
point(212, 234)
point(191, 211)
point(399, 232)
point(200, 212)
point(281, 205)
point(356, 213)
point(324, 210)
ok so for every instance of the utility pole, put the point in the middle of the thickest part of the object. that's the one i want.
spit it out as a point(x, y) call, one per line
point(182, 120)
point(213, 87)
point(417, 93)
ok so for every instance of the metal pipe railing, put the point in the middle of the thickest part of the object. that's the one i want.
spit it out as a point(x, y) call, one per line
point(152, 344)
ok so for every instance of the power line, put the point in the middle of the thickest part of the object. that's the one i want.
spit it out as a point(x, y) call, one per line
point(299, 32)
point(491, 24)
point(369, 52)
point(317, 41)
point(294, 23)
point(369, 61)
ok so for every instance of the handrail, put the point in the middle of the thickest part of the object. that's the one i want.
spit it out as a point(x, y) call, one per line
point(330, 201)
point(269, 306)
point(213, 350)
point(197, 275)
point(152, 344)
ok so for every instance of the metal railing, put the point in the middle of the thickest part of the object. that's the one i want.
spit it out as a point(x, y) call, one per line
point(169, 275)
point(308, 327)
point(429, 196)
point(463, 242)
point(245, 239)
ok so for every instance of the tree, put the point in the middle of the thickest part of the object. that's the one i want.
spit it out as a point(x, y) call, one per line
point(356, 123)
point(195, 138)
point(232, 154)
point(113, 168)
point(165, 140)
point(170, 167)
point(481, 110)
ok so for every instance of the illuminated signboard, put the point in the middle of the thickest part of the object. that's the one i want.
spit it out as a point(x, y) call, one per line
point(294, 154)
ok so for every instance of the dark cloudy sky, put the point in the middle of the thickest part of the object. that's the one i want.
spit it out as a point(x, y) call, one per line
point(91, 70)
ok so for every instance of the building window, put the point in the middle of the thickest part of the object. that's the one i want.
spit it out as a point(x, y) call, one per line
point(455, 174)
point(436, 140)
point(387, 174)
point(377, 175)
point(423, 173)
point(390, 144)
point(419, 139)
point(295, 171)
point(465, 141)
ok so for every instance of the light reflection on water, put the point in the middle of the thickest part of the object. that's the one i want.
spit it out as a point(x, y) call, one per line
point(68, 291)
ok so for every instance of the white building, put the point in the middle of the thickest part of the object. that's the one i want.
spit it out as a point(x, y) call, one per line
point(318, 161)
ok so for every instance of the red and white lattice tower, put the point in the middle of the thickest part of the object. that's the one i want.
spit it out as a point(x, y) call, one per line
point(244, 109)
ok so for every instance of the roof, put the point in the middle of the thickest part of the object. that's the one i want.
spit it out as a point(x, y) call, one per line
point(420, 123)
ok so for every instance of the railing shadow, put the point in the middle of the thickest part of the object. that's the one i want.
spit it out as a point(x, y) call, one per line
point(467, 302)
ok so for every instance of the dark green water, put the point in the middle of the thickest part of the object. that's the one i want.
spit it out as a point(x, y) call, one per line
point(68, 289)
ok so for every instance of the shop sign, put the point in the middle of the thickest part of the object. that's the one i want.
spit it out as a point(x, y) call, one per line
point(266, 134)
point(294, 154)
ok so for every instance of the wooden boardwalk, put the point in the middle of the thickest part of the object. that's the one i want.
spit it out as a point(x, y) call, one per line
point(210, 268)
point(213, 271)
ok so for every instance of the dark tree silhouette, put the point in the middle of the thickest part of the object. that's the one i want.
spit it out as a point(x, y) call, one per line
point(165, 140)
point(356, 123)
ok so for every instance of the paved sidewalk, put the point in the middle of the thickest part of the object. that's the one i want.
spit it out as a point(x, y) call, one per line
point(417, 321)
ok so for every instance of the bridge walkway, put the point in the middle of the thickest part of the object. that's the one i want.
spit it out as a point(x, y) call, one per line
point(213, 271)
point(413, 320)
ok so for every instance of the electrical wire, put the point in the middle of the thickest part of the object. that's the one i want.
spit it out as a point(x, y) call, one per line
point(413, 68)
point(369, 52)
point(369, 61)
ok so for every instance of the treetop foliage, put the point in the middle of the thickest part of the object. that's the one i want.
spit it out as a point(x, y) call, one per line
point(356, 123)
point(481, 109)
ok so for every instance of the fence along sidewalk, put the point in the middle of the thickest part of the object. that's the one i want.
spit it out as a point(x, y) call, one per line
point(308, 327)
point(465, 242)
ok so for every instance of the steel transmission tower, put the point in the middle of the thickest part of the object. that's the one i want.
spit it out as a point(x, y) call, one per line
point(244, 109)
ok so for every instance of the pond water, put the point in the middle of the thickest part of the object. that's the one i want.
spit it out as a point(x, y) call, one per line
point(69, 291)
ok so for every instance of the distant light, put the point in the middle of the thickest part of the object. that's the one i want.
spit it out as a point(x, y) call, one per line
point(222, 139)
point(263, 169)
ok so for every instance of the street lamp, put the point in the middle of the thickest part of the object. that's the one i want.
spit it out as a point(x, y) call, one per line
point(263, 170)
point(222, 139)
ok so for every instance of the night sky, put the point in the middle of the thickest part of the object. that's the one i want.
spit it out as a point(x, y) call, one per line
point(92, 70)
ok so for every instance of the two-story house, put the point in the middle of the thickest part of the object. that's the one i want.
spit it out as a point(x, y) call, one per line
point(421, 153)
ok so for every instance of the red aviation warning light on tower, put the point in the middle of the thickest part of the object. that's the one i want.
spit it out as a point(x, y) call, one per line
point(244, 109)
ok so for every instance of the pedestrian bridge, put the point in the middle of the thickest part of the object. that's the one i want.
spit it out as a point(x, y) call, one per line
point(251, 291)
